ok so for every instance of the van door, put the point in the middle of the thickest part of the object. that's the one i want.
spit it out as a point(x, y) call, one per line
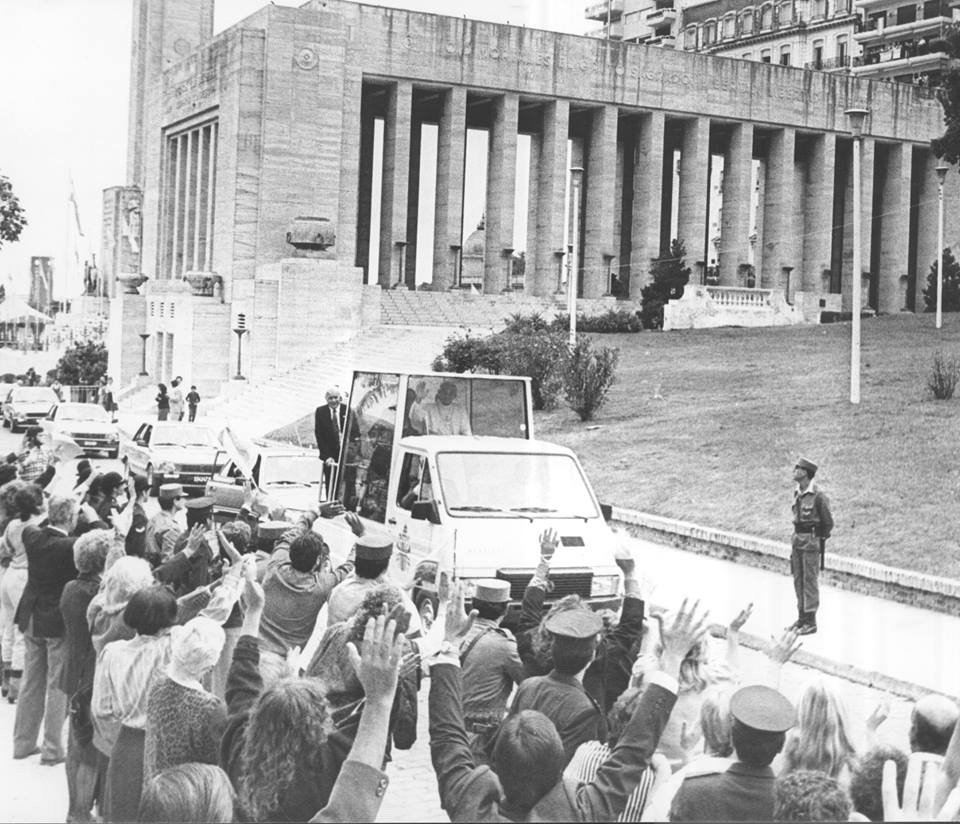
point(417, 538)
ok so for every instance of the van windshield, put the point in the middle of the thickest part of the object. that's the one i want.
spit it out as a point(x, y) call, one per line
point(481, 484)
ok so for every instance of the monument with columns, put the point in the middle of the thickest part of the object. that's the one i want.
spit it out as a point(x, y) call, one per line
point(246, 143)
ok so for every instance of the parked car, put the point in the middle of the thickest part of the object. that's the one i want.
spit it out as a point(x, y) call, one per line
point(88, 424)
point(280, 476)
point(25, 405)
point(173, 452)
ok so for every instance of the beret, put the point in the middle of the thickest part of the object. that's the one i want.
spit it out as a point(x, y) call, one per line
point(762, 708)
point(203, 502)
point(574, 623)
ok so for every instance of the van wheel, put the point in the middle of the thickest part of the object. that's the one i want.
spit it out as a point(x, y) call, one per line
point(426, 611)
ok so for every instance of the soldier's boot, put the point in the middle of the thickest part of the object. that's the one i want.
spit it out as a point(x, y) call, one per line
point(14, 689)
point(809, 625)
point(799, 622)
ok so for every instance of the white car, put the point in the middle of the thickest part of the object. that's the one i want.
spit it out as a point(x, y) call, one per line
point(89, 424)
point(26, 405)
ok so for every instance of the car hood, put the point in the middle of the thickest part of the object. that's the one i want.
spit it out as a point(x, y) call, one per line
point(32, 406)
point(185, 454)
point(297, 498)
point(87, 427)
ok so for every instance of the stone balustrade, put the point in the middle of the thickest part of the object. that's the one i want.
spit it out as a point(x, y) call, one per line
point(740, 297)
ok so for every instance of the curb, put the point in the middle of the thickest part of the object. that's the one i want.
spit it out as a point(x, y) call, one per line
point(855, 574)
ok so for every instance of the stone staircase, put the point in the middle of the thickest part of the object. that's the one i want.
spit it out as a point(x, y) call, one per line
point(260, 408)
point(468, 309)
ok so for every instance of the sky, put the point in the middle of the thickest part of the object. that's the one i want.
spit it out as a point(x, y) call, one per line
point(63, 103)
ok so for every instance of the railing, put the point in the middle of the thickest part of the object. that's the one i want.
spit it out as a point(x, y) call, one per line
point(829, 63)
point(80, 394)
point(739, 297)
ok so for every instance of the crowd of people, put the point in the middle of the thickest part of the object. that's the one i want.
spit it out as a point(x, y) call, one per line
point(170, 647)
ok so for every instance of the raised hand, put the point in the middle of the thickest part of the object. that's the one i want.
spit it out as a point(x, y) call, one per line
point(253, 594)
point(195, 538)
point(737, 623)
point(687, 628)
point(919, 792)
point(330, 509)
point(881, 712)
point(458, 622)
point(354, 522)
point(782, 650)
point(549, 541)
point(378, 661)
point(228, 548)
point(625, 561)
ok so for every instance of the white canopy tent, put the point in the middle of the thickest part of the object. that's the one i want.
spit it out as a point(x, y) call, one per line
point(16, 316)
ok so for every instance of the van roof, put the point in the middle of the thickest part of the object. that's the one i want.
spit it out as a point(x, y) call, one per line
point(481, 443)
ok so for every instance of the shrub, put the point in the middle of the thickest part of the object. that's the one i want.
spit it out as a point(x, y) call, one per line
point(588, 375)
point(539, 356)
point(521, 324)
point(943, 377)
point(9, 377)
point(612, 321)
point(83, 364)
point(951, 284)
point(668, 277)
point(468, 354)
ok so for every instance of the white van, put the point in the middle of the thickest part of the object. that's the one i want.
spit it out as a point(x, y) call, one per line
point(452, 474)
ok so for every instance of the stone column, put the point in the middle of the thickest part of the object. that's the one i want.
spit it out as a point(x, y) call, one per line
point(501, 188)
point(600, 202)
point(365, 193)
point(782, 229)
point(396, 171)
point(737, 191)
point(448, 215)
point(895, 228)
point(551, 194)
point(818, 212)
point(694, 188)
point(413, 205)
point(647, 199)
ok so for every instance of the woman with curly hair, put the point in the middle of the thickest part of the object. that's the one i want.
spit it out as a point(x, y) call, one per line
point(331, 664)
point(820, 740)
point(120, 583)
point(26, 502)
point(280, 747)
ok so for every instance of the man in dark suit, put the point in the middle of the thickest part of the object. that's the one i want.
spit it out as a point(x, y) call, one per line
point(50, 567)
point(328, 424)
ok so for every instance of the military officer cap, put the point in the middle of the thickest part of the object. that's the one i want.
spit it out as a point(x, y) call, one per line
point(492, 590)
point(203, 502)
point(269, 532)
point(578, 624)
point(808, 466)
point(373, 548)
point(762, 708)
point(170, 491)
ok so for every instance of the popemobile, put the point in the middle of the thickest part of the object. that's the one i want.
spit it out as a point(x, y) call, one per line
point(447, 467)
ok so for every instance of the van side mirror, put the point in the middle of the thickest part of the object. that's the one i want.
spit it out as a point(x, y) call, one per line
point(425, 511)
point(607, 511)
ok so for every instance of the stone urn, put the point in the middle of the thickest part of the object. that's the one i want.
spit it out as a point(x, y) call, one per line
point(131, 282)
point(202, 283)
point(308, 234)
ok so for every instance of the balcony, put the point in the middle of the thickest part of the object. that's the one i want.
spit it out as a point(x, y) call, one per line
point(599, 11)
point(897, 61)
point(872, 33)
point(661, 18)
point(830, 64)
point(666, 41)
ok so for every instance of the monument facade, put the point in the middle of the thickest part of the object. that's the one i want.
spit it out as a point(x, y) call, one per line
point(270, 129)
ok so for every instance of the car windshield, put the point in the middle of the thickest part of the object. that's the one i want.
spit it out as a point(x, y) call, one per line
point(34, 393)
point(291, 470)
point(82, 412)
point(479, 484)
point(184, 435)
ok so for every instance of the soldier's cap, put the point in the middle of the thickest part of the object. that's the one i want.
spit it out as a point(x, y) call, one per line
point(806, 465)
point(492, 590)
point(272, 530)
point(762, 708)
point(374, 548)
point(168, 491)
point(203, 502)
point(578, 624)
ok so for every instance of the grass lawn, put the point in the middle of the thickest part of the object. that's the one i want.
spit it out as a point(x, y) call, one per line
point(706, 426)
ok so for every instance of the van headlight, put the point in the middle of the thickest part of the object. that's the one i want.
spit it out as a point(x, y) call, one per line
point(167, 468)
point(604, 585)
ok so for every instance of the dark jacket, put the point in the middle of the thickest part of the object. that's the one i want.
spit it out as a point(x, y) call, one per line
point(49, 568)
point(136, 542)
point(80, 658)
point(742, 793)
point(327, 441)
point(609, 674)
point(472, 793)
point(307, 792)
point(185, 572)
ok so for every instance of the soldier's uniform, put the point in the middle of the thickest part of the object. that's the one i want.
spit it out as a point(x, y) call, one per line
point(162, 524)
point(741, 792)
point(491, 666)
point(812, 525)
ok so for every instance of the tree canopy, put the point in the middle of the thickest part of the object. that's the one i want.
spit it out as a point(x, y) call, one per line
point(12, 215)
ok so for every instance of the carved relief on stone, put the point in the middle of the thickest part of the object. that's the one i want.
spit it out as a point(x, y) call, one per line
point(307, 58)
point(311, 233)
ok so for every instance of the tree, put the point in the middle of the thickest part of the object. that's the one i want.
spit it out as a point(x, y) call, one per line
point(588, 374)
point(668, 276)
point(951, 284)
point(947, 146)
point(83, 364)
point(12, 216)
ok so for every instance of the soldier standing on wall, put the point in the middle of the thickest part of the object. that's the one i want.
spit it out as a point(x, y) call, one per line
point(812, 525)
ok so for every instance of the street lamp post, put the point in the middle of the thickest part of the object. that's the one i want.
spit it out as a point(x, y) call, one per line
point(941, 170)
point(143, 352)
point(240, 330)
point(856, 118)
point(576, 179)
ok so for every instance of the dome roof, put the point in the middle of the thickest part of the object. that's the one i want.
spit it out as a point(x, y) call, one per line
point(476, 242)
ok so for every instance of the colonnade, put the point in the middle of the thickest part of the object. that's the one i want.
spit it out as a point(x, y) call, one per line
point(796, 233)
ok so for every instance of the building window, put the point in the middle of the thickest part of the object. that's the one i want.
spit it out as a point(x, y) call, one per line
point(818, 54)
point(690, 38)
point(785, 13)
point(841, 7)
point(765, 56)
point(842, 51)
point(818, 8)
point(728, 27)
point(746, 23)
point(784, 55)
point(709, 33)
point(188, 203)
point(766, 17)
